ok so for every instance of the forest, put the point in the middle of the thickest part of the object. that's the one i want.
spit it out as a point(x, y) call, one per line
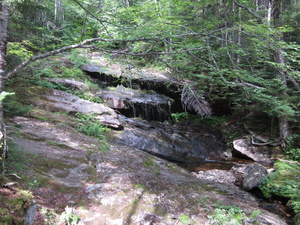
point(238, 59)
point(245, 53)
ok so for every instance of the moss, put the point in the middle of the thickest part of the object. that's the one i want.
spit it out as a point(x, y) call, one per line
point(284, 182)
point(5, 216)
point(14, 202)
point(59, 144)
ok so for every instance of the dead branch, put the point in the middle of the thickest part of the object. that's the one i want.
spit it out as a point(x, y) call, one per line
point(282, 160)
point(263, 141)
point(192, 100)
point(248, 9)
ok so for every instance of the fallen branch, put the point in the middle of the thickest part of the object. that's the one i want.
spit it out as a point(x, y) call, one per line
point(286, 161)
point(12, 174)
point(263, 141)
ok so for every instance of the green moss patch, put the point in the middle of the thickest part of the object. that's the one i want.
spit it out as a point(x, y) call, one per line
point(13, 204)
point(284, 182)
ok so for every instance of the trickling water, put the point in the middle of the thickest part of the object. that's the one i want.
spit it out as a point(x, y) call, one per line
point(137, 103)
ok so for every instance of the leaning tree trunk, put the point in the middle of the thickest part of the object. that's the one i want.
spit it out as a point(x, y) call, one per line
point(4, 16)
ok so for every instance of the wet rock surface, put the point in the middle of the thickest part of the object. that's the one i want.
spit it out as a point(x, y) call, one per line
point(136, 103)
point(136, 78)
point(179, 143)
point(125, 184)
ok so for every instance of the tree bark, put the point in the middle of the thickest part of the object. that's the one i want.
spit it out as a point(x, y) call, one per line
point(4, 17)
point(276, 9)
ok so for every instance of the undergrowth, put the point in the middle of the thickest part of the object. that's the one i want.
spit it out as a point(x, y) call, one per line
point(284, 182)
point(13, 107)
point(92, 127)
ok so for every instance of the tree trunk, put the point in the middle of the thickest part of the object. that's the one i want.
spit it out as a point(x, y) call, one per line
point(276, 8)
point(4, 16)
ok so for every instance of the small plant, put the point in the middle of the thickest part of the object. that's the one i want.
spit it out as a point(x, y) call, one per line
point(57, 144)
point(185, 219)
point(4, 94)
point(46, 72)
point(177, 117)
point(215, 120)
point(16, 160)
point(203, 200)
point(50, 216)
point(88, 125)
point(150, 162)
point(12, 107)
point(32, 185)
point(69, 217)
point(72, 72)
point(78, 58)
point(91, 85)
point(139, 186)
point(82, 95)
point(255, 214)
point(225, 215)
point(293, 147)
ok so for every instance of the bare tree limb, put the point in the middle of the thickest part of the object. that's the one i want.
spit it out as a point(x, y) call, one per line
point(262, 140)
point(286, 161)
point(97, 18)
point(82, 44)
point(248, 9)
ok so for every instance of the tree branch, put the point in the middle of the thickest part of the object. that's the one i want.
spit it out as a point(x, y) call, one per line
point(262, 140)
point(89, 12)
point(286, 161)
point(248, 9)
point(82, 44)
point(141, 53)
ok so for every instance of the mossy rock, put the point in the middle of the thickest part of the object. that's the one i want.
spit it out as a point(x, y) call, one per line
point(14, 204)
point(284, 182)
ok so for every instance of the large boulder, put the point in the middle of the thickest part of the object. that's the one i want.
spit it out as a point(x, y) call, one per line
point(113, 75)
point(55, 100)
point(179, 143)
point(256, 153)
point(253, 175)
point(93, 68)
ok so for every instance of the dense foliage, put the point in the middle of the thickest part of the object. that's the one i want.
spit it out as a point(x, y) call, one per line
point(244, 52)
point(284, 182)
